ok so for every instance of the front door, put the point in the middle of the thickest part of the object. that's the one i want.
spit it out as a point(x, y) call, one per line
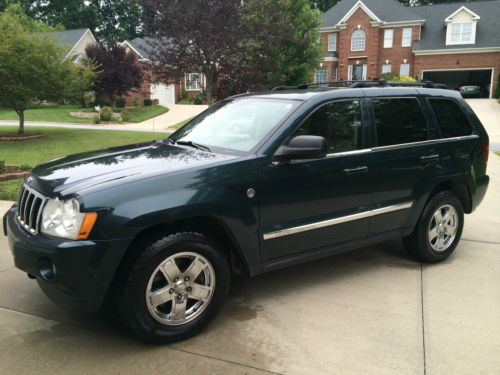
point(309, 205)
point(357, 72)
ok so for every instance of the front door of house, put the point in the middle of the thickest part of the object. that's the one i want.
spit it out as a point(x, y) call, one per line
point(357, 72)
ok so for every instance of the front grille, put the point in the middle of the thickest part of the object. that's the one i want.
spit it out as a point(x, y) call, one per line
point(29, 208)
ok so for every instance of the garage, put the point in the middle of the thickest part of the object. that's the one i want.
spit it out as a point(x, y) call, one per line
point(456, 77)
point(165, 94)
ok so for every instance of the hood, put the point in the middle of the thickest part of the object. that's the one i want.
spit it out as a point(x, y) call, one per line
point(80, 171)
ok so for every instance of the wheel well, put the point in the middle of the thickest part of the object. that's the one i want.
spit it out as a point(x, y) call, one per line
point(209, 226)
point(460, 188)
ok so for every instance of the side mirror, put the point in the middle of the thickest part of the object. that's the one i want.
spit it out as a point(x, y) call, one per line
point(303, 147)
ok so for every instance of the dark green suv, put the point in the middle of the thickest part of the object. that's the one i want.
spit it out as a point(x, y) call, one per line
point(255, 183)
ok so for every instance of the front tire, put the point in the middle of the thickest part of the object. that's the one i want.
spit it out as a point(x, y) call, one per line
point(175, 288)
point(438, 230)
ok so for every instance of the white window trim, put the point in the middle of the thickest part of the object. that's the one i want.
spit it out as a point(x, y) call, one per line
point(449, 42)
point(401, 67)
point(403, 37)
point(332, 40)
point(388, 32)
point(199, 83)
point(350, 69)
point(387, 65)
point(324, 69)
point(352, 40)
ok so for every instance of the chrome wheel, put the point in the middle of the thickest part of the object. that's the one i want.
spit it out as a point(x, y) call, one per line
point(180, 288)
point(443, 228)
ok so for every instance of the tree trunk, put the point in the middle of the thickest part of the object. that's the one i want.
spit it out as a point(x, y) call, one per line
point(20, 130)
point(209, 87)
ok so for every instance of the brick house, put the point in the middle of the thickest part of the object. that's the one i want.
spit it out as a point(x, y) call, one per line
point(449, 43)
point(160, 92)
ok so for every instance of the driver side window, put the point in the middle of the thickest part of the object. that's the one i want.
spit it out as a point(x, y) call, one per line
point(339, 123)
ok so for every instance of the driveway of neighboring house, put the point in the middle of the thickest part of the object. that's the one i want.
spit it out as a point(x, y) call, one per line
point(488, 111)
point(369, 311)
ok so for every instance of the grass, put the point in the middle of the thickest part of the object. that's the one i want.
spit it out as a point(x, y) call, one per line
point(62, 114)
point(498, 153)
point(59, 142)
point(140, 114)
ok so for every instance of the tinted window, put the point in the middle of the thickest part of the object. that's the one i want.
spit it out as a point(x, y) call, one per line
point(339, 123)
point(450, 117)
point(399, 121)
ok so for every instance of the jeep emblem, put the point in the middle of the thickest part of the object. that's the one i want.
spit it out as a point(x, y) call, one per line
point(29, 180)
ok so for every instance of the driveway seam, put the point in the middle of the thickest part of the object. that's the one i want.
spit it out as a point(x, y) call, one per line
point(486, 242)
point(167, 348)
point(422, 314)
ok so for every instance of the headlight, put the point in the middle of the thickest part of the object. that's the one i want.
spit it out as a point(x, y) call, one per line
point(63, 219)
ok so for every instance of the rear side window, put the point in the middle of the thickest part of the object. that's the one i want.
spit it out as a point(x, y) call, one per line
point(339, 123)
point(450, 117)
point(399, 120)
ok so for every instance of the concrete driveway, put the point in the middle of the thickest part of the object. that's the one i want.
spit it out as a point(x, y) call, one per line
point(370, 311)
point(488, 111)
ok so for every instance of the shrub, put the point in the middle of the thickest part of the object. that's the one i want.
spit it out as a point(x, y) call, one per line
point(497, 91)
point(404, 79)
point(148, 102)
point(120, 120)
point(184, 94)
point(2, 166)
point(97, 120)
point(198, 99)
point(25, 167)
point(106, 113)
point(120, 102)
point(387, 77)
point(89, 99)
point(135, 102)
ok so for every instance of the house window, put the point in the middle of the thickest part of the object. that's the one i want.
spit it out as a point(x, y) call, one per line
point(388, 36)
point(320, 75)
point(192, 82)
point(332, 42)
point(406, 41)
point(358, 40)
point(460, 33)
point(404, 70)
point(386, 68)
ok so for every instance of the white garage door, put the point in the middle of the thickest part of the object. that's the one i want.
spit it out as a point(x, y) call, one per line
point(164, 93)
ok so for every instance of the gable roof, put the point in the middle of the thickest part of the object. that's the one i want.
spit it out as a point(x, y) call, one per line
point(434, 32)
point(141, 46)
point(385, 10)
point(465, 9)
point(68, 38)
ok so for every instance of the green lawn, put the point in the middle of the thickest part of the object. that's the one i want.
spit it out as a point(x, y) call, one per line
point(59, 142)
point(141, 114)
point(62, 114)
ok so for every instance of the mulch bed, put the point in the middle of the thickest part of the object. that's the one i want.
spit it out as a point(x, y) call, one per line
point(17, 137)
point(12, 172)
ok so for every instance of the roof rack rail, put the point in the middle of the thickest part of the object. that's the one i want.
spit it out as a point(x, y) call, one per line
point(363, 84)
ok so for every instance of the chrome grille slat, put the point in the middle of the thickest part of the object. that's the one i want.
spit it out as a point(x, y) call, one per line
point(30, 207)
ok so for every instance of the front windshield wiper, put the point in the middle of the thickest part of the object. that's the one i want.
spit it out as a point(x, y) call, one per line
point(191, 144)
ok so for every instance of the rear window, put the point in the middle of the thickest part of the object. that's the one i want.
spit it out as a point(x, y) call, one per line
point(399, 120)
point(450, 117)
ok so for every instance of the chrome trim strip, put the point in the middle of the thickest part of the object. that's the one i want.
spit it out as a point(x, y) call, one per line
point(338, 220)
point(430, 141)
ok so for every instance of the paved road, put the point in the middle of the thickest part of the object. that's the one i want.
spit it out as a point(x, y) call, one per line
point(371, 311)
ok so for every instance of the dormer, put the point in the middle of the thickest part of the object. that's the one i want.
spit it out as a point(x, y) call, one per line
point(461, 27)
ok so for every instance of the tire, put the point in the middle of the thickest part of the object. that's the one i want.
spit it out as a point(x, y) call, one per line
point(433, 241)
point(179, 272)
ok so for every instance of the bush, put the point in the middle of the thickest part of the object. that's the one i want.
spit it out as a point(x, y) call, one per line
point(135, 102)
point(106, 113)
point(89, 99)
point(497, 91)
point(387, 77)
point(404, 79)
point(198, 99)
point(148, 102)
point(2, 166)
point(120, 102)
point(120, 120)
point(97, 120)
point(184, 94)
point(25, 167)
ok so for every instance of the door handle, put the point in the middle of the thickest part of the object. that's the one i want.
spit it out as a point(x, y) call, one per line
point(429, 158)
point(357, 170)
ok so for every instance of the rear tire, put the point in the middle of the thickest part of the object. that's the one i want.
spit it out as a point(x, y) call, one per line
point(174, 289)
point(438, 230)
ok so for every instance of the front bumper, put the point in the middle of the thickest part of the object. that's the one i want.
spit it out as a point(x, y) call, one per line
point(73, 274)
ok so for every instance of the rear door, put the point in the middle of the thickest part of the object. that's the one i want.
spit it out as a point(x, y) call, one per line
point(402, 159)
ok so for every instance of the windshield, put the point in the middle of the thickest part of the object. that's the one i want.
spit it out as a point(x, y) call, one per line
point(238, 124)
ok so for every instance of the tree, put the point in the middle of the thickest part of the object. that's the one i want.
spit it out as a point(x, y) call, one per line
point(236, 45)
point(82, 81)
point(119, 73)
point(30, 67)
